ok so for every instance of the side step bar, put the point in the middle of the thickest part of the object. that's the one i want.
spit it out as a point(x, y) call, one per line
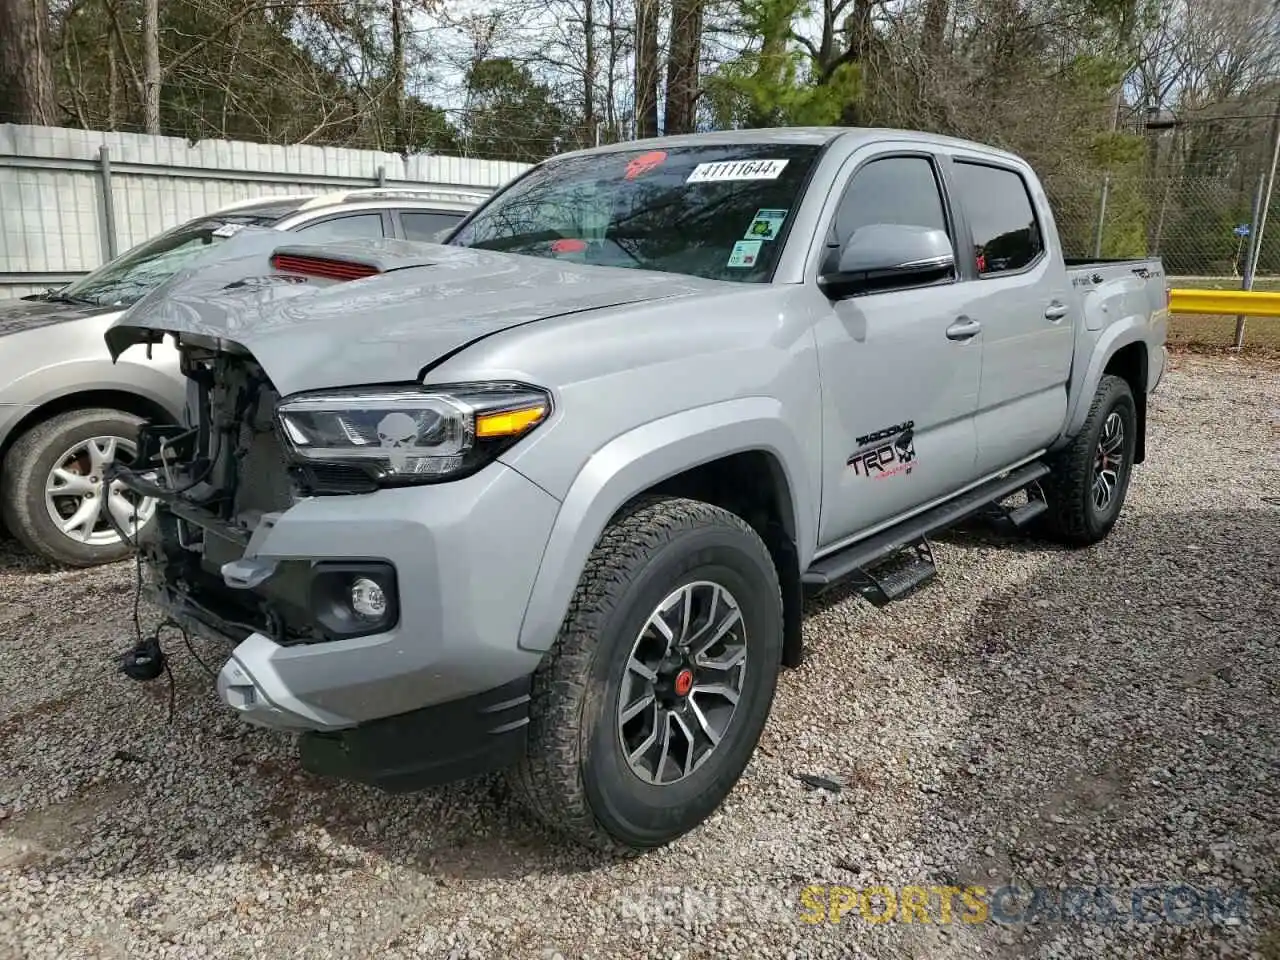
point(858, 558)
point(1016, 518)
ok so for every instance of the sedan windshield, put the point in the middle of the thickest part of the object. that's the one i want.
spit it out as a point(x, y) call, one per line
point(133, 274)
point(720, 212)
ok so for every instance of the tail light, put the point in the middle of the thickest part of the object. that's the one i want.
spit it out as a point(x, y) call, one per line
point(322, 267)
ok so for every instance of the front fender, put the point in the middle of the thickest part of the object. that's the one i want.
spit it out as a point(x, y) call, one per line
point(637, 460)
point(1115, 337)
point(159, 387)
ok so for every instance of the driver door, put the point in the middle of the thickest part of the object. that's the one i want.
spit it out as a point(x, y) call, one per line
point(899, 389)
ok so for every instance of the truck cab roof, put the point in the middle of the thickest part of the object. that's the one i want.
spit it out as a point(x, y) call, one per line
point(817, 136)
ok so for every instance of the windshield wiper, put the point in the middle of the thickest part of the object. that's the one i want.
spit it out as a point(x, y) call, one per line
point(54, 296)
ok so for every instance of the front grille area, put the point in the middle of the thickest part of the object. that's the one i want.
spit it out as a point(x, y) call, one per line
point(263, 484)
point(239, 472)
point(235, 469)
point(333, 478)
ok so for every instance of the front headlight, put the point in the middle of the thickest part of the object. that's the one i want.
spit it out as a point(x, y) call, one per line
point(414, 434)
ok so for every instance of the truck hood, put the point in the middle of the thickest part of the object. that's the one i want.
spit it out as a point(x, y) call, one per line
point(18, 316)
point(427, 301)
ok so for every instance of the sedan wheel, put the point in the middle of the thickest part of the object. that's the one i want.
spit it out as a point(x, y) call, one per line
point(79, 500)
point(54, 496)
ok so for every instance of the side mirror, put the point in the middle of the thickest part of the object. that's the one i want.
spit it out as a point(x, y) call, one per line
point(888, 255)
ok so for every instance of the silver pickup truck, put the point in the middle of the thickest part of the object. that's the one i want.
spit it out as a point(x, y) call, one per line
point(547, 497)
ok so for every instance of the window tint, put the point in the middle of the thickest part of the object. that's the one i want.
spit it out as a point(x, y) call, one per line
point(899, 190)
point(362, 226)
point(1005, 233)
point(424, 225)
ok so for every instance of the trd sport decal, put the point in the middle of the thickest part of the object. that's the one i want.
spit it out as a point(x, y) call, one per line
point(885, 453)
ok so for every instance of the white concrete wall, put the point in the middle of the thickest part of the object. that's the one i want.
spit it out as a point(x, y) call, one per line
point(52, 198)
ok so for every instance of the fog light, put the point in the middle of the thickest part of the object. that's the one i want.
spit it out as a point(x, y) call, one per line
point(368, 600)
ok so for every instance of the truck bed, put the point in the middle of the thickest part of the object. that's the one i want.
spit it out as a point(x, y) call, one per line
point(1083, 264)
point(1111, 290)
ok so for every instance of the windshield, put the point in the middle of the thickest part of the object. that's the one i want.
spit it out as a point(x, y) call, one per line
point(133, 274)
point(719, 212)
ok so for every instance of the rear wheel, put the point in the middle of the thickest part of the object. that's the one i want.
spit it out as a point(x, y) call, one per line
point(1086, 487)
point(649, 705)
point(52, 493)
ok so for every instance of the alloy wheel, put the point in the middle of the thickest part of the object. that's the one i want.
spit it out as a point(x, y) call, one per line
point(1108, 461)
point(78, 498)
point(682, 683)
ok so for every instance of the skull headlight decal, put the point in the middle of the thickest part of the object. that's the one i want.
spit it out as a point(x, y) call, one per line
point(397, 433)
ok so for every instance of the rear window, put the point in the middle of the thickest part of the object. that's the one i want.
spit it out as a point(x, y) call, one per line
point(429, 226)
point(1006, 234)
point(720, 212)
point(356, 226)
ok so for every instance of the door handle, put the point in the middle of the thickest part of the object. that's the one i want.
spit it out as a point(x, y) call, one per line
point(1055, 311)
point(965, 328)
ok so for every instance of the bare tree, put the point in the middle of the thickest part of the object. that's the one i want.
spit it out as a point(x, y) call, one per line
point(646, 96)
point(26, 64)
point(684, 53)
point(151, 66)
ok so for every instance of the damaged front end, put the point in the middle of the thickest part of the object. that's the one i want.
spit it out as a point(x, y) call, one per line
point(221, 483)
point(221, 480)
point(286, 520)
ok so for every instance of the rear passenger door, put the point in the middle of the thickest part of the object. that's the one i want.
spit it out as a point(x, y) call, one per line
point(1019, 295)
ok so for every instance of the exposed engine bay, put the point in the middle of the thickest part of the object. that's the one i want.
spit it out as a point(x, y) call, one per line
point(216, 483)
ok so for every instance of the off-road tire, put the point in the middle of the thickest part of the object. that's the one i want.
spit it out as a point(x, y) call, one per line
point(574, 777)
point(1072, 517)
point(24, 472)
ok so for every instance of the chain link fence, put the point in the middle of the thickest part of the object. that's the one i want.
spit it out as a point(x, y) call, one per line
point(1200, 227)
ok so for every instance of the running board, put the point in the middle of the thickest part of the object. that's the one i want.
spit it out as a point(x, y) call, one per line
point(1017, 518)
point(897, 576)
point(858, 558)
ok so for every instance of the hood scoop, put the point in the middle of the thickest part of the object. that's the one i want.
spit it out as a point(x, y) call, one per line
point(324, 267)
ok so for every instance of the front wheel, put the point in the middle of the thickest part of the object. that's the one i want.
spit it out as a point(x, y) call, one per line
point(54, 497)
point(649, 705)
point(1089, 479)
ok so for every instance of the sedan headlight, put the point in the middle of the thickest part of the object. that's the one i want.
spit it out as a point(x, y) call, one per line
point(411, 435)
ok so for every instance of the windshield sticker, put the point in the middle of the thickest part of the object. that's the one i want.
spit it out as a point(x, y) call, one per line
point(745, 253)
point(568, 245)
point(228, 230)
point(644, 163)
point(736, 170)
point(766, 225)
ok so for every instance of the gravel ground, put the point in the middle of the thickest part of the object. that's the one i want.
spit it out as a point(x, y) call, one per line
point(1035, 717)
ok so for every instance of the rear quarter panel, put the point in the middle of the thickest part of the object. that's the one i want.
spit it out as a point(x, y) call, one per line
point(1120, 304)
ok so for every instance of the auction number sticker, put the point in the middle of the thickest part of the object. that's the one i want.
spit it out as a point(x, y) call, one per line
point(736, 170)
point(745, 253)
